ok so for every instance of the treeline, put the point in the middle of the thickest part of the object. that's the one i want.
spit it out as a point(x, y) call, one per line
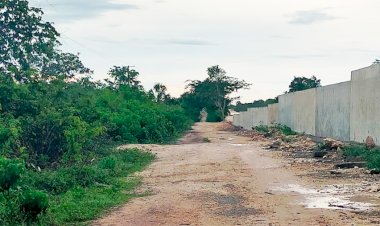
point(255, 104)
point(58, 127)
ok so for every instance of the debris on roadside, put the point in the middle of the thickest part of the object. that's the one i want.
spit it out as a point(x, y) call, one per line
point(331, 144)
point(349, 165)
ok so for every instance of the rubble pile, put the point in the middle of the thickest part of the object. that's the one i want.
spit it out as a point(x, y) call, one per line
point(295, 143)
point(254, 135)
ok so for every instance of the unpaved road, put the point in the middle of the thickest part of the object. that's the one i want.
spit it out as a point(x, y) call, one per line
point(230, 181)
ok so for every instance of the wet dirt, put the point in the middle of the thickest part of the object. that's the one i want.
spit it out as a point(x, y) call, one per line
point(234, 181)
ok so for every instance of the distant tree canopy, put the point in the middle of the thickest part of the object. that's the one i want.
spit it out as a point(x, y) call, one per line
point(239, 107)
point(213, 93)
point(303, 83)
point(29, 46)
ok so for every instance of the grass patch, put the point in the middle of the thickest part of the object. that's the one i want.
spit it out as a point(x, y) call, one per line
point(359, 151)
point(285, 130)
point(79, 194)
point(262, 129)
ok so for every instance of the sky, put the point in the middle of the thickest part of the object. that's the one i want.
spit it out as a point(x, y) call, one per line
point(265, 43)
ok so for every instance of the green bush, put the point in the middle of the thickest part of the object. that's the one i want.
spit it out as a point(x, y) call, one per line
point(10, 173)
point(33, 204)
point(359, 151)
point(262, 129)
point(286, 130)
point(107, 163)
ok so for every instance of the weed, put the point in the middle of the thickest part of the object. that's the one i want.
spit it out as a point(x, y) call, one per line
point(262, 129)
point(206, 140)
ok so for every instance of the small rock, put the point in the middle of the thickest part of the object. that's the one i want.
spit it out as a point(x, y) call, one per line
point(335, 172)
point(319, 154)
point(370, 143)
point(275, 145)
point(350, 165)
point(374, 188)
point(373, 171)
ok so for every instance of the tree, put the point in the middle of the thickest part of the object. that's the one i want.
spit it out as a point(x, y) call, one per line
point(123, 75)
point(303, 83)
point(29, 46)
point(214, 92)
point(159, 92)
point(377, 61)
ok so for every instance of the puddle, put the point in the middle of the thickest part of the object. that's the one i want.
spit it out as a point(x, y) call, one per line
point(238, 145)
point(329, 197)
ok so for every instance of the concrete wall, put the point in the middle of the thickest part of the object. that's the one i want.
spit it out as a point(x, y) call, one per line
point(244, 119)
point(365, 104)
point(345, 111)
point(236, 120)
point(298, 110)
point(333, 111)
point(259, 116)
point(273, 114)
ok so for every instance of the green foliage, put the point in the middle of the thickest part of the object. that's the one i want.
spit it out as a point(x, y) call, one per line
point(359, 151)
point(262, 129)
point(239, 107)
point(33, 204)
point(57, 128)
point(286, 130)
point(213, 93)
point(303, 83)
point(123, 75)
point(10, 173)
point(85, 201)
point(29, 46)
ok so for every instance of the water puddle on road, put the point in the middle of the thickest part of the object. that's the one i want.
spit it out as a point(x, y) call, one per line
point(329, 197)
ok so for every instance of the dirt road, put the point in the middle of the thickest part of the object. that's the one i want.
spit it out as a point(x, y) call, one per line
point(229, 181)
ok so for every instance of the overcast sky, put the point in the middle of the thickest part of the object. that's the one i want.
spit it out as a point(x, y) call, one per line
point(266, 43)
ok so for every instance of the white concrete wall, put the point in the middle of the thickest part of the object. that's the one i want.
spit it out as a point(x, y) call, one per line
point(273, 114)
point(244, 119)
point(365, 104)
point(333, 111)
point(298, 110)
point(345, 111)
point(259, 116)
point(237, 119)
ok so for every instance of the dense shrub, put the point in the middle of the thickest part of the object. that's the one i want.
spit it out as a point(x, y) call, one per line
point(33, 204)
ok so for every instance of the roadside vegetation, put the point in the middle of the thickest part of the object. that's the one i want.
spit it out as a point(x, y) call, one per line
point(59, 128)
point(362, 153)
point(272, 129)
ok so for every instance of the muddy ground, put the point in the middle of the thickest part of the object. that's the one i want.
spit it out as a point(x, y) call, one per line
point(230, 179)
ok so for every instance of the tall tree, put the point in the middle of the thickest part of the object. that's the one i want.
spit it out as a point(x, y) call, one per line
point(303, 83)
point(123, 75)
point(160, 92)
point(214, 93)
point(29, 46)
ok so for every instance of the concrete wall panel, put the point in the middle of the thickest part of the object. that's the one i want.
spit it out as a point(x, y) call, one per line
point(273, 114)
point(333, 111)
point(298, 110)
point(259, 116)
point(365, 104)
